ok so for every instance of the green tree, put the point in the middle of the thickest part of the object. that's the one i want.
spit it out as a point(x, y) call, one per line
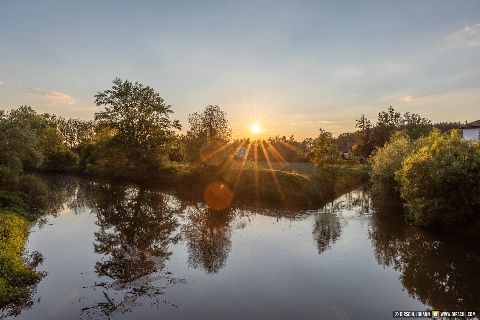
point(366, 145)
point(209, 129)
point(57, 156)
point(19, 131)
point(211, 123)
point(325, 152)
point(388, 122)
point(74, 131)
point(415, 125)
point(139, 116)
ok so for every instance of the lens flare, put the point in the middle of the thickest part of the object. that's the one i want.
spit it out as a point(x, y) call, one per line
point(218, 196)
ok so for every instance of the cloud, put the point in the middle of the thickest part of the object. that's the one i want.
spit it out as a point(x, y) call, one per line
point(409, 98)
point(468, 36)
point(53, 97)
point(2, 84)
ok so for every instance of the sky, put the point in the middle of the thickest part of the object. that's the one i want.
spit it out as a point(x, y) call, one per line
point(293, 66)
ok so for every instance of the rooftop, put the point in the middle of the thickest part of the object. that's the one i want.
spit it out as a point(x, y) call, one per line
point(471, 125)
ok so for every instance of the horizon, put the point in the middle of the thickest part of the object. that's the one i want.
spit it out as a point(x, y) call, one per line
point(291, 68)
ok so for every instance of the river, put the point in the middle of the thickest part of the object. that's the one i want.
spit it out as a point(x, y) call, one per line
point(122, 252)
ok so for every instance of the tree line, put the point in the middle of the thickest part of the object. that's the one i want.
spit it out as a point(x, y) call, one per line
point(135, 135)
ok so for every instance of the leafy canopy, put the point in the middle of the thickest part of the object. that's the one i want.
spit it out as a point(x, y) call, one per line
point(138, 114)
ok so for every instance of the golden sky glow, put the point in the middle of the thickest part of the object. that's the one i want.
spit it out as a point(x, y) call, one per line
point(293, 69)
point(255, 128)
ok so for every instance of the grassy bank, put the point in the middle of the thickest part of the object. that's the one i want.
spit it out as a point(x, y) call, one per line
point(17, 275)
point(302, 186)
point(21, 198)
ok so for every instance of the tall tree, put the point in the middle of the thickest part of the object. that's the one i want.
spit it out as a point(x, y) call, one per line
point(325, 152)
point(209, 131)
point(139, 116)
point(211, 123)
point(366, 145)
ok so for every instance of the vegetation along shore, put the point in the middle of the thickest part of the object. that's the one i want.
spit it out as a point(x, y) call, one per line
point(432, 172)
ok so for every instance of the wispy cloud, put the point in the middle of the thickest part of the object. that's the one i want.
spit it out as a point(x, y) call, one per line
point(53, 97)
point(409, 98)
point(468, 36)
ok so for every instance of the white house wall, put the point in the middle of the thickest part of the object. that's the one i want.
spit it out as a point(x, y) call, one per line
point(471, 134)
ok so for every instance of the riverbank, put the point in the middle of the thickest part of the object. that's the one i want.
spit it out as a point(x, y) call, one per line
point(17, 275)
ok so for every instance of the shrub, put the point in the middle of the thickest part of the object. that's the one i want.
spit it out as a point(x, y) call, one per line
point(440, 183)
point(8, 177)
point(386, 162)
point(34, 190)
point(12, 200)
point(62, 161)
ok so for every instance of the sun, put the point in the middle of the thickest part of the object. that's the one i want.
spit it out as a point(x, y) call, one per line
point(255, 128)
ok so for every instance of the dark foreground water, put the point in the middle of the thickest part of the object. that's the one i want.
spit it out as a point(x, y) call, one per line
point(123, 253)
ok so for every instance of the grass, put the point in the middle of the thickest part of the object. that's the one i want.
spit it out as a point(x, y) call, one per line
point(17, 276)
point(303, 168)
point(286, 185)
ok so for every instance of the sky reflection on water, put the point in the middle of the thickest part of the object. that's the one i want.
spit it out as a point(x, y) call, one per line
point(119, 252)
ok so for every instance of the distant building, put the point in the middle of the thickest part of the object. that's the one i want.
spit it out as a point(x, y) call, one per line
point(471, 131)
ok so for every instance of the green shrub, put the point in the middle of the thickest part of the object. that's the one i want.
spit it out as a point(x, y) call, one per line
point(386, 162)
point(440, 183)
point(8, 177)
point(34, 191)
point(62, 161)
point(12, 200)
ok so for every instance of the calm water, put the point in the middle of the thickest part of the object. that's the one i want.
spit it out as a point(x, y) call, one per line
point(123, 253)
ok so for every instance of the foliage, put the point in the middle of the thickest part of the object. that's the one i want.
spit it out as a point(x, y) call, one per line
point(386, 162)
point(75, 132)
point(366, 145)
point(325, 152)
point(440, 183)
point(32, 141)
point(388, 122)
point(21, 193)
point(57, 156)
point(346, 141)
point(19, 131)
point(17, 276)
point(139, 117)
point(447, 126)
point(208, 127)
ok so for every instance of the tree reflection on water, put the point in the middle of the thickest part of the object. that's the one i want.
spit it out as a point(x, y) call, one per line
point(136, 228)
point(437, 270)
point(327, 227)
point(208, 234)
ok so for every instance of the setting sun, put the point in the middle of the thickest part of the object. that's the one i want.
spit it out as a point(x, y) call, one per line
point(255, 128)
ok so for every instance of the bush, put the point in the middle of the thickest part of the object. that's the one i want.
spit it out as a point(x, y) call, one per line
point(440, 183)
point(34, 190)
point(386, 162)
point(62, 161)
point(21, 193)
point(13, 200)
point(8, 177)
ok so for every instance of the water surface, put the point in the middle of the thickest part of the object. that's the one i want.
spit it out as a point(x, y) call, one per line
point(120, 252)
